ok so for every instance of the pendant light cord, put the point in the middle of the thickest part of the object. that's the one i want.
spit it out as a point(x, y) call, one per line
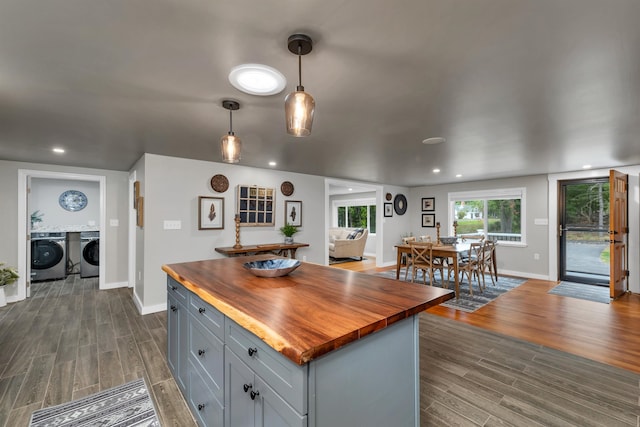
point(230, 121)
point(300, 66)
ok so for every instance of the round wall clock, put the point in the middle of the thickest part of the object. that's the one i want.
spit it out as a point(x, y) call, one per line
point(400, 204)
point(287, 188)
point(219, 183)
point(73, 200)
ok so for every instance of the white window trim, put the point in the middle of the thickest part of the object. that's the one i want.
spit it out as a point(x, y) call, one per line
point(493, 194)
point(351, 202)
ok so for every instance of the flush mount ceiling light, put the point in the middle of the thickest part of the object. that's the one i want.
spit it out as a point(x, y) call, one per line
point(434, 140)
point(299, 105)
point(230, 143)
point(257, 79)
point(58, 150)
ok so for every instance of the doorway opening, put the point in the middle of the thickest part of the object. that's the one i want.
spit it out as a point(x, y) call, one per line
point(584, 231)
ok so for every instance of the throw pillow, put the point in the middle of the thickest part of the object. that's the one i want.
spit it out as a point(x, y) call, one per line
point(352, 235)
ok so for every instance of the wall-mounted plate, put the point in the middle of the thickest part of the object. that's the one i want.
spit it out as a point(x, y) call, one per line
point(73, 200)
point(400, 204)
point(287, 188)
point(219, 183)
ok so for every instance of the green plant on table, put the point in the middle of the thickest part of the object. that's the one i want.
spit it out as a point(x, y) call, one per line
point(8, 275)
point(288, 230)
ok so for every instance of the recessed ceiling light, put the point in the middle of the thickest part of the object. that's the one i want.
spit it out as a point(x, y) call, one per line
point(436, 170)
point(586, 167)
point(459, 175)
point(257, 79)
point(58, 150)
point(351, 189)
point(433, 141)
point(272, 163)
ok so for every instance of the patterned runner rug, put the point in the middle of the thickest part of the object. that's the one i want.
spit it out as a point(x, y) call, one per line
point(125, 405)
point(468, 302)
point(582, 291)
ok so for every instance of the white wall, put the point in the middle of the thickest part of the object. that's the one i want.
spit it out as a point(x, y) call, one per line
point(171, 187)
point(511, 260)
point(44, 198)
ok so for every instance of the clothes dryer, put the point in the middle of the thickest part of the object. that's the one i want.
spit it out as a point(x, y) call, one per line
point(89, 254)
point(48, 256)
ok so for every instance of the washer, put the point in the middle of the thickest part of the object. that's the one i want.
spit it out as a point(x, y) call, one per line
point(89, 254)
point(48, 256)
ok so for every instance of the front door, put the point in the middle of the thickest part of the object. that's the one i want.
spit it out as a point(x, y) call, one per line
point(618, 232)
point(584, 231)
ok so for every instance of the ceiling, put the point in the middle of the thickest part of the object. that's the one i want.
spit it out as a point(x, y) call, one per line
point(517, 87)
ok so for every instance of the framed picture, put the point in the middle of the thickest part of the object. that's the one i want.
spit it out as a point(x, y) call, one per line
point(428, 204)
point(256, 205)
point(136, 194)
point(210, 213)
point(293, 212)
point(388, 209)
point(140, 211)
point(428, 220)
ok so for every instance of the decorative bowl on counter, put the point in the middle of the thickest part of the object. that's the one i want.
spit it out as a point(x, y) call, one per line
point(449, 240)
point(272, 267)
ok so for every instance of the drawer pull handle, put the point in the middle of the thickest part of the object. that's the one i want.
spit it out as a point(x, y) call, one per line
point(174, 308)
point(200, 352)
point(200, 406)
point(252, 351)
point(201, 310)
point(174, 288)
point(254, 394)
point(247, 387)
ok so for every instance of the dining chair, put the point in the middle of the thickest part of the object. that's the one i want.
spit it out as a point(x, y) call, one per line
point(471, 266)
point(422, 259)
point(489, 253)
point(406, 258)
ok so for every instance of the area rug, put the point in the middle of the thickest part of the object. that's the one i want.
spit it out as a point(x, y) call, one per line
point(125, 405)
point(333, 261)
point(466, 301)
point(582, 291)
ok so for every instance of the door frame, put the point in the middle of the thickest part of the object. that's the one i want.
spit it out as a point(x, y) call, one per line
point(24, 175)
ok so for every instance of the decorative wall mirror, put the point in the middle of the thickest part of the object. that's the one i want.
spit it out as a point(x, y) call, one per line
point(256, 205)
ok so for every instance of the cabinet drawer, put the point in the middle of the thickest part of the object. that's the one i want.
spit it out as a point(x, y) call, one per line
point(207, 410)
point(285, 377)
point(177, 290)
point(208, 315)
point(206, 352)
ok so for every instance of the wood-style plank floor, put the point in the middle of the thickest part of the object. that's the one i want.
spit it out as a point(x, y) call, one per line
point(70, 340)
point(602, 332)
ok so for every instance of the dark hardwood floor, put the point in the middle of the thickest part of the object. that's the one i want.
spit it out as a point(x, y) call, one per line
point(602, 332)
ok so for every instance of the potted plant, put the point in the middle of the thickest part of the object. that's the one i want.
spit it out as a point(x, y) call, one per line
point(288, 230)
point(8, 275)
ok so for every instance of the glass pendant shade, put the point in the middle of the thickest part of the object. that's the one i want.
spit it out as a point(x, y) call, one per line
point(299, 107)
point(231, 147)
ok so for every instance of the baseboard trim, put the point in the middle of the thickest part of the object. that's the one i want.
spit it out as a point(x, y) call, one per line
point(147, 310)
point(523, 274)
point(115, 285)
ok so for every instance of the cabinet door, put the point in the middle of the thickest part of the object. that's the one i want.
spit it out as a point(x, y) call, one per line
point(206, 408)
point(239, 379)
point(183, 347)
point(272, 410)
point(172, 334)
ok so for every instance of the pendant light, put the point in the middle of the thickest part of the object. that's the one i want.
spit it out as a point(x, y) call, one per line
point(230, 144)
point(299, 105)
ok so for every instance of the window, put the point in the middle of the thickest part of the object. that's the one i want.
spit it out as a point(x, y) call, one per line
point(497, 214)
point(355, 214)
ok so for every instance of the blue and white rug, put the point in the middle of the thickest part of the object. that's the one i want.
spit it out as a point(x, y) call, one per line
point(125, 405)
point(466, 301)
point(582, 291)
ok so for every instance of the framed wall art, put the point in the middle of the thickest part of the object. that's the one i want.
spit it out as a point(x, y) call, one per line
point(293, 212)
point(428, 204)
point(256, 205)
point(428, 220)
point(388, 209)
point(210, 213)
point(140, 211)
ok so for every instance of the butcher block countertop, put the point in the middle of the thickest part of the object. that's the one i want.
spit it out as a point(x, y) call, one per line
point(310, 312)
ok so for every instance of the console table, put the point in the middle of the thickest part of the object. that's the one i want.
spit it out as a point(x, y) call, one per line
point(282, 249)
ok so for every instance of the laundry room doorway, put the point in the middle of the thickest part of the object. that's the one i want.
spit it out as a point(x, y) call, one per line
point(29, 220)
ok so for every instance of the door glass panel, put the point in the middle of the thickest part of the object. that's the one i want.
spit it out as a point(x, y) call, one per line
point(584, 242)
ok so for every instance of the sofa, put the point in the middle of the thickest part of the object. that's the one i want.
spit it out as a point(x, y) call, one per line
point(347, 242)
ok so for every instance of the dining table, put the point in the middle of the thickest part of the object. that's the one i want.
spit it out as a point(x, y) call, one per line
point(451, 252)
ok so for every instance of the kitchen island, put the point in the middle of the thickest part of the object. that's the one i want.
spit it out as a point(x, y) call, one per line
point(319, 347)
